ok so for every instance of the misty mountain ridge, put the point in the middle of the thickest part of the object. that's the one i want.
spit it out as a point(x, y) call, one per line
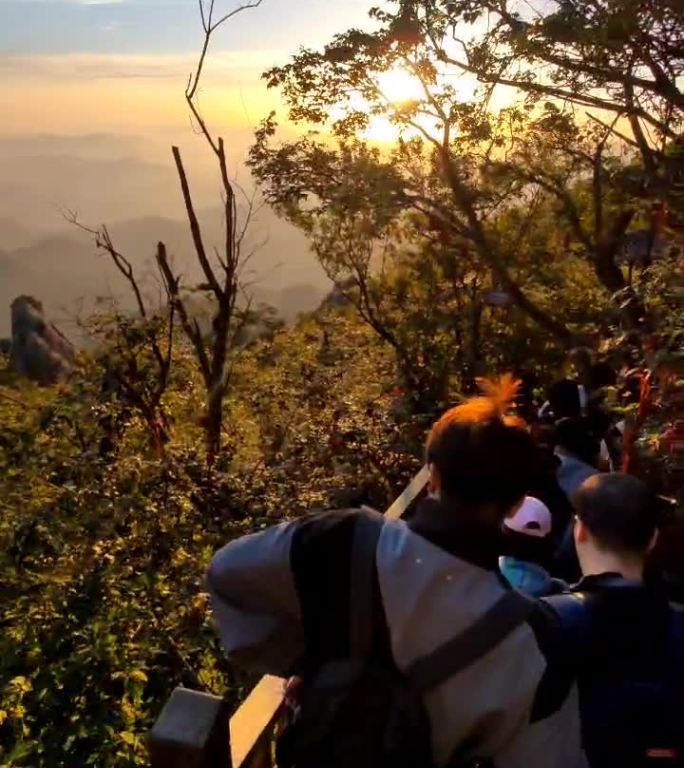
point(103, 176)
point(130, 183)
point(68, 274)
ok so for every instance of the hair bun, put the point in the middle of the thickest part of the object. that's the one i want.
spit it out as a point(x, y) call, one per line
point(500, 392)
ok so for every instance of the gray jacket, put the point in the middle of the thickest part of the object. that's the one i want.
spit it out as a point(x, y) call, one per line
point(515, 704)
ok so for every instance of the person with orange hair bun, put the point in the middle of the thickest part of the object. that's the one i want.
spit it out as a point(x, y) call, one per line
point(407, 646)
point(481, 456)
point(484, 459)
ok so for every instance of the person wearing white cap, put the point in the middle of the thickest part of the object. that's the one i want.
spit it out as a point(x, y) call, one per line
point(528, 549)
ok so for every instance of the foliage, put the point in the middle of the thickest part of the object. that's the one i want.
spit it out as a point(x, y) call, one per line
point(655, 430)
point(103, 553)
point(465, 162)
point(136, 370)
point(104, 537)
point(607, 56)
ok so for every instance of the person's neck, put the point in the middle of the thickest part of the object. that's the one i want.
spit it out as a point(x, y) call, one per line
point(597, 562)
point(458, 531)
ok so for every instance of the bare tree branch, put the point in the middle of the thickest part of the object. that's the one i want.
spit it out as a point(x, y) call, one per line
point(190, 327)
point(146, 398)
point(213, 354)
point(195, 227)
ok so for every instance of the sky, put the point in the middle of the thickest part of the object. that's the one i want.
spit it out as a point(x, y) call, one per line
point(92, 99)
point(87, 66)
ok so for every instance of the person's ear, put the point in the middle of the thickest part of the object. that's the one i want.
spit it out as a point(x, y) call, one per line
point(435, 481)
point(581, 532)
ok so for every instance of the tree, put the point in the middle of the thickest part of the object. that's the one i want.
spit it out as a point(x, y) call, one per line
point(453, 137)
point(381, 226)
point(223, 276)
point(229, 302)
point(621, 57)
point(487, 160)
point(138, 351)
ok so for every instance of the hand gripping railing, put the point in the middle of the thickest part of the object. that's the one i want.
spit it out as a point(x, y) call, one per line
point(194, 730)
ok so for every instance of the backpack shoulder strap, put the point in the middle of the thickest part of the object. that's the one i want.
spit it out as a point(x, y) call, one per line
point(675, 642)
point(573, 612)
point(363, 597)
point(510, 611)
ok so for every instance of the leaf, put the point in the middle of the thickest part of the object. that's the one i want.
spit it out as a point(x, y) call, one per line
point(138, 675)
point(127, 737)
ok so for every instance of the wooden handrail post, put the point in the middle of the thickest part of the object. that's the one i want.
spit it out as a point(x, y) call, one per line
point(253, 725)
point(191, 732)
point(409, 495)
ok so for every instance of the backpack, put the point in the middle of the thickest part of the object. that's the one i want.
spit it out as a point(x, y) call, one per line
point(362, 711)
point(628, 721)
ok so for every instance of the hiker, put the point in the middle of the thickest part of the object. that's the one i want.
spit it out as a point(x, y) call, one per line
point(568, 397)
point(578, 451)
point(546, 488)
point(628, 641)
point(582, 395)
point(578, 454)
point(410, 649)
point(528, 549)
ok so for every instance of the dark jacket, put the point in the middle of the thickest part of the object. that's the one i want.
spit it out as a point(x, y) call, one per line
point(629, 654)
point(546, 488)
point(281, 596)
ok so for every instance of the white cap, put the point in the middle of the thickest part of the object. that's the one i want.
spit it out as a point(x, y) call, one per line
point(532, 518)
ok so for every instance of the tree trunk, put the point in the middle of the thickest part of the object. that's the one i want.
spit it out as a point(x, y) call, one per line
point(474, 345)
point(216, 390)
point(214, 422)
point(487, 251)
point(609, 274)
point(605, 267)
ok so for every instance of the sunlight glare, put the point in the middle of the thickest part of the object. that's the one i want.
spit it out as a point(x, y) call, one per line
point(381, 130)
point(400, 86)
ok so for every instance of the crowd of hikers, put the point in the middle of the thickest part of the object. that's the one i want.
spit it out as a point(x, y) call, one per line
point(509, 620)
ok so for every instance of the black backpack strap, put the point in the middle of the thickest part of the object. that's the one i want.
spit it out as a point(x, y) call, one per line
point(573, 610)
point(363, 596)
point(510, 611)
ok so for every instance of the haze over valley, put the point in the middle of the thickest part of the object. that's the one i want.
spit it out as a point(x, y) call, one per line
point(121, 182)
point(92, 101)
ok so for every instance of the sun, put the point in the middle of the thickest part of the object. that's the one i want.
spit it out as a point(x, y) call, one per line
point(397, 86)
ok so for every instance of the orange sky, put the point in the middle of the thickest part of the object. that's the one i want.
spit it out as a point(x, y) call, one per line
point(130, 95)
point(120, 66)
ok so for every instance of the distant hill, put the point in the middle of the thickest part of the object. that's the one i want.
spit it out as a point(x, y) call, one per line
point(13, 234)
point(33, 188)
point(67, 274)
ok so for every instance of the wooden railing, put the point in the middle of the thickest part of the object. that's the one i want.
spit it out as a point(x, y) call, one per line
point(194, 729)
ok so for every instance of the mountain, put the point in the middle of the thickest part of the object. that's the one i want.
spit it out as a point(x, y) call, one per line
point(67, 273)
point(13, 234)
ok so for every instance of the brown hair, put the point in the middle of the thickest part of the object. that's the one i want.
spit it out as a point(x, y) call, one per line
point(483, 453)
